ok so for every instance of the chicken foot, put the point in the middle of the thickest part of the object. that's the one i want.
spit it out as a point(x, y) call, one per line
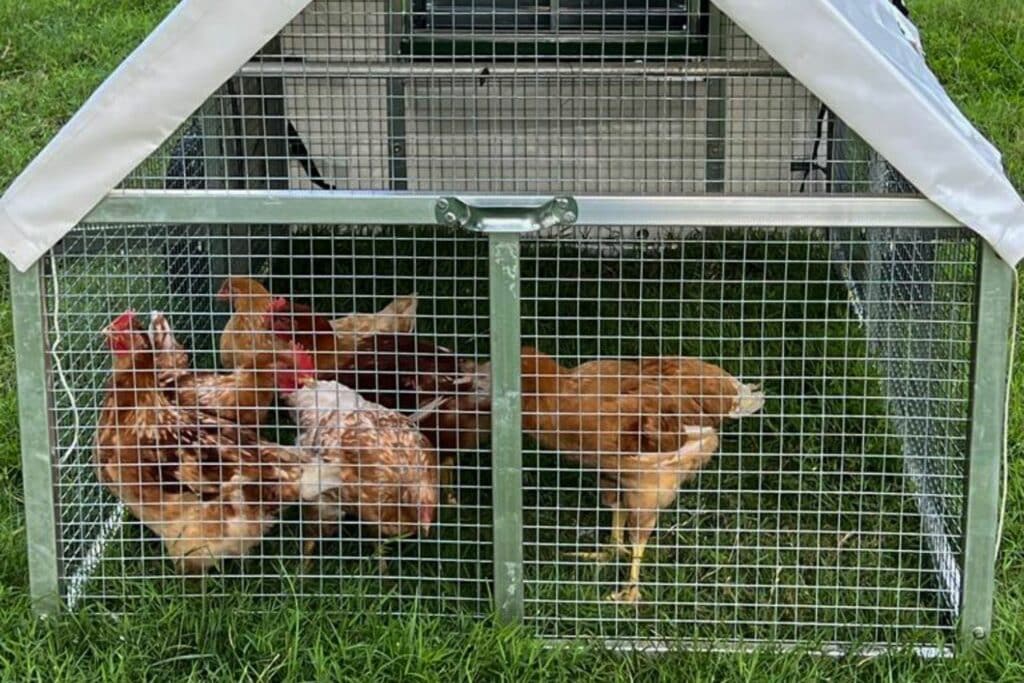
point(630, 593)
point(323, 529)
point(384, 550)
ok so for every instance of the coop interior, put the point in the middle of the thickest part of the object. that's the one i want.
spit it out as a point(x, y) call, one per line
point(830, 515)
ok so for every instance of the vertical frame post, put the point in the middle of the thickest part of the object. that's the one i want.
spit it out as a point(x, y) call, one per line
point(988, 399)
point(36, 441)
point(714, 167)
point(397, 29)
point(506, 427)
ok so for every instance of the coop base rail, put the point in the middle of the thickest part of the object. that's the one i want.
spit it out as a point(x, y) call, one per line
point(386, 208)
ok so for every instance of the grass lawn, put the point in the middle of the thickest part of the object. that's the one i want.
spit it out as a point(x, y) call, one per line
point(52, 54)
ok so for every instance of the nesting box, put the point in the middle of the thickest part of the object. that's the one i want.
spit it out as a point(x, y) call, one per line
point(796, 202)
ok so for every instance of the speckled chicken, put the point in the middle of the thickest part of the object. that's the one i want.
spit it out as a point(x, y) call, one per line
point(448, 396)
point(209, 490)
point(388, 469)
point(242, 396)
point(647, 426)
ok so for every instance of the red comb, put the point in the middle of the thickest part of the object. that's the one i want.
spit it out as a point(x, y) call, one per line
point(123, 322)
point(278, 304)
point(304, 364)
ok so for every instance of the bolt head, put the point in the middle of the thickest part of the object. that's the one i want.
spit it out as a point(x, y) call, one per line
point(442, 204)
point(562, 202)
point(978, 632)
point(569, 216)
point(450, 218)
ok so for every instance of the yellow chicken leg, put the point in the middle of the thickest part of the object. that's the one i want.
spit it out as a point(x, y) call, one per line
point(616, 546)
point(631, 592)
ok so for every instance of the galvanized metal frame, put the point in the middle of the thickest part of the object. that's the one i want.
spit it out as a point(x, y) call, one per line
point(240, 204)
point(37, 459)
point(383, 208)
point(696, 69)
point(415, 208)
point(506, 425)
point(993, 328)
point(714, 168)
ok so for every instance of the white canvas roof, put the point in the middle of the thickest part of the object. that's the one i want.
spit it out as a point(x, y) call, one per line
point(862, 58)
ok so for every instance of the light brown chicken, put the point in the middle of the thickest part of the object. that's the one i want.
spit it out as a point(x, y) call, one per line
point(398, 317)
point(209, 490)
point(388, 469)
point(243, 396)
point(247, 331)
point(448, 395)
point(647, 426)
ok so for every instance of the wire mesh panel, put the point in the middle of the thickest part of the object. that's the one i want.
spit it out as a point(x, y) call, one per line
point(102, 271)
point(830, 516)
point(820, 501)
point(585, 97)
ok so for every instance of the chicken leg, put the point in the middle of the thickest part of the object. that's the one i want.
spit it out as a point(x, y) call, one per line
point(645, 502)
point(630, 593)
point(616, 546)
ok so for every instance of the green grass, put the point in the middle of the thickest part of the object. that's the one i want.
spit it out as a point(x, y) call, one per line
point(52, 53)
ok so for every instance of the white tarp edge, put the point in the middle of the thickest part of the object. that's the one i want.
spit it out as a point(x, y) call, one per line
point(863, 59)
point(198, 47)
point(860, 57)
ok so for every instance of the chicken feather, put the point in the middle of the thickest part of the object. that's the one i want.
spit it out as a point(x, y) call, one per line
point(208, 489)
point(388, 469)
point(243, 396)
point(647, 426)
point(449, 396)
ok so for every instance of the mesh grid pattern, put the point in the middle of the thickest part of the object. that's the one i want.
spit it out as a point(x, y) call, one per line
point(834, 514)
point(102, 271)
point(831, 515)
point(631, 97)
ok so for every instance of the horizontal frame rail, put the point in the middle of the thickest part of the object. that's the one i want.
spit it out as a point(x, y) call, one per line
point(683, 69)
point(401, 208)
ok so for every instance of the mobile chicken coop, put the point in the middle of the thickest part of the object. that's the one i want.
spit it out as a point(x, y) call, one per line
point(793, 198)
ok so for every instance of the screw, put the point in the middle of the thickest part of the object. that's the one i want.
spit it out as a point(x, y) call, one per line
point(563, 202)
point(569, 216)
point(978, 632)
point(442, 204)
point(450, 218)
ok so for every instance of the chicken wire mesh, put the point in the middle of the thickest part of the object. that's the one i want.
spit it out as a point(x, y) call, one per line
point(832, 514)
point(528, 97)
point(106, 555)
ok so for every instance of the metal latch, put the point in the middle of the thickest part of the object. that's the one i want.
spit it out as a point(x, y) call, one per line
point(560, 211)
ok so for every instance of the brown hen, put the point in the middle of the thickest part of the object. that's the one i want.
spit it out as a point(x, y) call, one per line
point(208, 489)
point(448, 396)
point(247, 332)
point(388, 469)
point(243, 396)
point(647, 426)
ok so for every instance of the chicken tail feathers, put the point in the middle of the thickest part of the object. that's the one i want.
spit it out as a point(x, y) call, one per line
point(749, 400)
point(428, 409)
